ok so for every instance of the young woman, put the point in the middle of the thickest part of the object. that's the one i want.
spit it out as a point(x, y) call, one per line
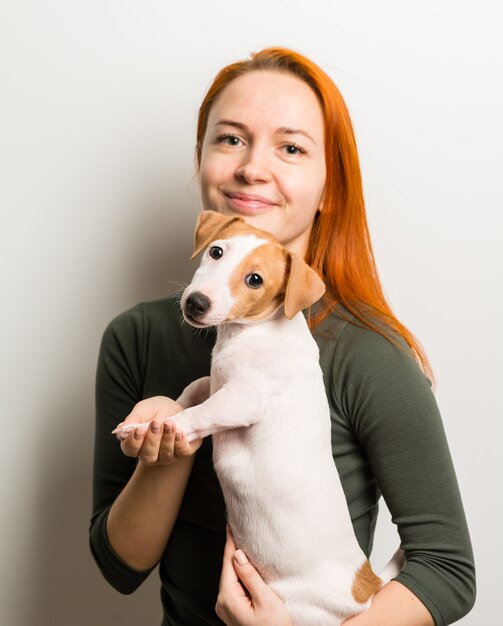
point(275, 145)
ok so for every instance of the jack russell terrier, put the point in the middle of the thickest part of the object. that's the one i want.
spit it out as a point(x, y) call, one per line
point(265, 405)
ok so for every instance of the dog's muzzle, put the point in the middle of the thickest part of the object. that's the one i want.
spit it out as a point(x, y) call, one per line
point(196, 306)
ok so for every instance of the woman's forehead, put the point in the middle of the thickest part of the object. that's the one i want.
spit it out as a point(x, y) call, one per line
point(277, 100)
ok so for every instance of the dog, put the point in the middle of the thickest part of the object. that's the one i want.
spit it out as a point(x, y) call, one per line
point(266, 407)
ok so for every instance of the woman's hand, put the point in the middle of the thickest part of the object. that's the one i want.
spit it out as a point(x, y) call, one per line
point(157, 441)
point(244, 598)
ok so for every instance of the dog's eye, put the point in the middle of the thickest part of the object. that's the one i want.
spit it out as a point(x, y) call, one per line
point(216, 252)
point(254, 281)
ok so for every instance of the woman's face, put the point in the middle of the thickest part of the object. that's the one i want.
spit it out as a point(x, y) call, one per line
point(263, 155)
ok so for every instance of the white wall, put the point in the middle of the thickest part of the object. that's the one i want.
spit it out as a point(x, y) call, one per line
point(97, 114)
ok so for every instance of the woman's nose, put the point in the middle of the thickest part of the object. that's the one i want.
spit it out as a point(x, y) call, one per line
point(254, 167)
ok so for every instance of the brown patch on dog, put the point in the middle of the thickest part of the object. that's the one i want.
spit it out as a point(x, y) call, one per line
point(212, 225)
point(269, 260)
point(366, 584)
point(304, 287)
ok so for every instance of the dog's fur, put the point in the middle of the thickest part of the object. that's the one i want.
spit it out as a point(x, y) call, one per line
point(267, 410)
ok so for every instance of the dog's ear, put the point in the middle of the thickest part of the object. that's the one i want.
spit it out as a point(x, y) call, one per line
point(209, 225)
point(304, 286)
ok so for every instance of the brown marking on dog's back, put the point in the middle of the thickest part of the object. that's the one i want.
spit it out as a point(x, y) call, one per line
point(366, 584)
point(270, 261)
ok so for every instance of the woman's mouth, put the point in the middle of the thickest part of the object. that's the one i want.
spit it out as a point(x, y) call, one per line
point(248, 204)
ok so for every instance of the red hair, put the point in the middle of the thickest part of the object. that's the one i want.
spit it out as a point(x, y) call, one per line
point(339, 249)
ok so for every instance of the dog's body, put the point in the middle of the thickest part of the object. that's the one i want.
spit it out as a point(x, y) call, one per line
point(285, 503)
point(267, 410)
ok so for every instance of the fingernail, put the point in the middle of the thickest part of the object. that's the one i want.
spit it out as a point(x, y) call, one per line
point(240, 557)
point(138, 433)
point(167, 428)
point(179, 436)
point(155, 427)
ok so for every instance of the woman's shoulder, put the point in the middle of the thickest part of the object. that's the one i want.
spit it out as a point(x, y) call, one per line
point(374, 381)
point(161, 316)
point(151, 311)
point(341, 331)
point(153, 323)
point(360, 355)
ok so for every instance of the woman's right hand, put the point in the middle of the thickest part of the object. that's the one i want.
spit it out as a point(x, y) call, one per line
point(157, 441)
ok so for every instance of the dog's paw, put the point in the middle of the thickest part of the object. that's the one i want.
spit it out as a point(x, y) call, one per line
point(123, 430)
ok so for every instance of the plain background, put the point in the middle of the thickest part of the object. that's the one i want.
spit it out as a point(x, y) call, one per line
point(98, 202)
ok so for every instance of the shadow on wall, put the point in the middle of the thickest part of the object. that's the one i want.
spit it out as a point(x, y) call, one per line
point(61, 583)
point(161, 261)
point(63, 587)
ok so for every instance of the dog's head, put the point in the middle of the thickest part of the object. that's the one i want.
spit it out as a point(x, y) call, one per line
point(245, 275)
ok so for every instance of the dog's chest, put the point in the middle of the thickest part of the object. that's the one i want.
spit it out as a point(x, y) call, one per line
point(259, 369)
point(235, 359)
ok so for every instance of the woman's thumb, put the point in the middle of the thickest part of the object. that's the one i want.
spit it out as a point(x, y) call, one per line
point(248, 575)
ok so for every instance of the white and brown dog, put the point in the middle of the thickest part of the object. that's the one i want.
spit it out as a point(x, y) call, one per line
point(265, 405)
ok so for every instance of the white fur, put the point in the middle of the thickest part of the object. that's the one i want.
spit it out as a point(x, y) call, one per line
point(269, 417)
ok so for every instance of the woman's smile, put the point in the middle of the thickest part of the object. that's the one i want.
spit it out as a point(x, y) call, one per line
point(248, 204)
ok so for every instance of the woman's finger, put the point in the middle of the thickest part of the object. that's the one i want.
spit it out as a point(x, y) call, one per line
point(182, 446)
point(232, 598)
point(167, 445)
point(132, 443)
point(149, 452)
point(249, 578)
point(229, 582)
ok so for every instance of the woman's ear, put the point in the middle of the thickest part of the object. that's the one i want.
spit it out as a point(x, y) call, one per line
point(209, 225)
point(304, 286)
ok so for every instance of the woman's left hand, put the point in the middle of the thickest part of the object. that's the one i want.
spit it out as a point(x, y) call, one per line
point(260, 606)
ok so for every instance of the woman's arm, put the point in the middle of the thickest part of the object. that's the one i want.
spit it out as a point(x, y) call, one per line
point(135, 503)
point(389, 406)
point(393, 605)
point(142, 517)
point(140, 521)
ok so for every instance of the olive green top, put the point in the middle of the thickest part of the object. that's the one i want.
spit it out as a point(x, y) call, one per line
point(387, 439)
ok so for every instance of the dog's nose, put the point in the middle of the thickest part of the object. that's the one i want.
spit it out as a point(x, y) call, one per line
point(197, 304)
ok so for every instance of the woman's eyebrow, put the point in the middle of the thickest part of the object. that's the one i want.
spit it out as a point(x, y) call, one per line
point(231, 123)
point(295, 131)
point(283, 130)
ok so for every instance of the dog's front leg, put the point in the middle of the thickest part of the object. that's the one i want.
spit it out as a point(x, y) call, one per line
point(226, 408)
point(229, 407)
point(197, 392)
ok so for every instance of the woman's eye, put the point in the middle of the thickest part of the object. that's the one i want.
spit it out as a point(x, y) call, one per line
point(230, 140)
point(216, 252)
point(293, 149)
point(254, 281)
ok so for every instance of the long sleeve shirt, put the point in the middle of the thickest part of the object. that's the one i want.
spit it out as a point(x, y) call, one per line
point(387, 439)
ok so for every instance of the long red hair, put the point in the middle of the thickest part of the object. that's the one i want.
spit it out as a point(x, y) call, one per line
point(339, 249)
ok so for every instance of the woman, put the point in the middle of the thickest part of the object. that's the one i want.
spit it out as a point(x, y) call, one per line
point(275, 145)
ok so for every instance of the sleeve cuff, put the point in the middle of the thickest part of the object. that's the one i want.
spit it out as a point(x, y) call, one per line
point(417, 590)
point(121, 576)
